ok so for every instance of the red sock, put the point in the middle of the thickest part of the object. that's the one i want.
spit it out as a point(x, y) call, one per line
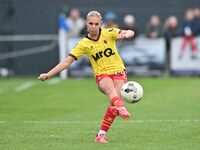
point(117, 101)
point(107, 120)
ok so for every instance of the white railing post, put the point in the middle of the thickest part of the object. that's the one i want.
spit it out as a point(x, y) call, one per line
point(63, 42)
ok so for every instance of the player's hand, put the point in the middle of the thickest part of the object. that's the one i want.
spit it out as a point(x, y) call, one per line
point(43, 77)
point(125, 34)
point(121, 36)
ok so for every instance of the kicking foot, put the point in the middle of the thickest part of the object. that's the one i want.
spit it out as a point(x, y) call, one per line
point(120, 111)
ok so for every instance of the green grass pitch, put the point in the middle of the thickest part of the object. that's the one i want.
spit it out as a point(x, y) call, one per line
point(65, 115)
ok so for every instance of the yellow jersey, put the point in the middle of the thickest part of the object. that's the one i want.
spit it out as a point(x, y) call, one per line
point(102, 53)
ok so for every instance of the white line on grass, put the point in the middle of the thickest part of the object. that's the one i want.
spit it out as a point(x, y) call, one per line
point(91, 122)
point(128, 121)
point(53, 81)
point(157, 121)
point(24, 86)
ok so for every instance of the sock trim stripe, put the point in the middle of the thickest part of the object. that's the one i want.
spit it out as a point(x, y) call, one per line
point(105, 125)
point(107, 122)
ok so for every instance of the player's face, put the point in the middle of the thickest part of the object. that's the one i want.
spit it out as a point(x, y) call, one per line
point(93, 24)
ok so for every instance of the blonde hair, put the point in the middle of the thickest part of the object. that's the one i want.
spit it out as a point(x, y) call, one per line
point(94, 13)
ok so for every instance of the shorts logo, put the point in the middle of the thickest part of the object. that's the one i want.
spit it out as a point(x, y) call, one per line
point(107, 52)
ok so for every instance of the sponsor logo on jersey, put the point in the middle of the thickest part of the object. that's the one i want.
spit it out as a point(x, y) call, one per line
point(107, 53)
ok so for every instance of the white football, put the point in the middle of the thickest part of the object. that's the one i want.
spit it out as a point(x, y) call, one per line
point(132, 92)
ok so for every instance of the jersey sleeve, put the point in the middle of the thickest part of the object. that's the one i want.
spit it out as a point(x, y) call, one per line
point(77, 51)
point(114, 32)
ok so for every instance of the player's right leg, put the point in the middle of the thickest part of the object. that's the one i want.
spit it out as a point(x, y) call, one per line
point(108, 117)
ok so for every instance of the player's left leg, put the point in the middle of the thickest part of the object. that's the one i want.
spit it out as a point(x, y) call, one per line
point(118, 83)
point(107, 85)
point(119, 79)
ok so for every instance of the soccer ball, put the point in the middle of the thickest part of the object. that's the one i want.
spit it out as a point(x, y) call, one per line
point(132, 92)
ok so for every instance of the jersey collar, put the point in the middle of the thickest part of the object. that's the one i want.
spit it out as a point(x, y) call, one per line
point(93, 39)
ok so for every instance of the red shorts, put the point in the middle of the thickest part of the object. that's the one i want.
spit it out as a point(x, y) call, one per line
point(117, 76)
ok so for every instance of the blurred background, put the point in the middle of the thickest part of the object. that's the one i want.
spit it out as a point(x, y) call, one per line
point(36, 35)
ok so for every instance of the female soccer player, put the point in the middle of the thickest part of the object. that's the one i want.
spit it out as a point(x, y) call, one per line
point(109, 70)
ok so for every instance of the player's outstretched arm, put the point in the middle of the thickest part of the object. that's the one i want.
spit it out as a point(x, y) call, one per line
point(125, 34)
point(58, 68)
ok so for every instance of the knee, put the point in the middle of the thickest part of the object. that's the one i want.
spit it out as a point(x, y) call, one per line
point(107, 90)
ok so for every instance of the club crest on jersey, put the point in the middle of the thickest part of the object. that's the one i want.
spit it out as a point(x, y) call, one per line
point(107, 53)
point(110, 30)
point(105, 41)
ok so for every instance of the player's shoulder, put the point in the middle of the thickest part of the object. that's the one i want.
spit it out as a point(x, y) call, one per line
point(83, 42)
point(110, 30)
